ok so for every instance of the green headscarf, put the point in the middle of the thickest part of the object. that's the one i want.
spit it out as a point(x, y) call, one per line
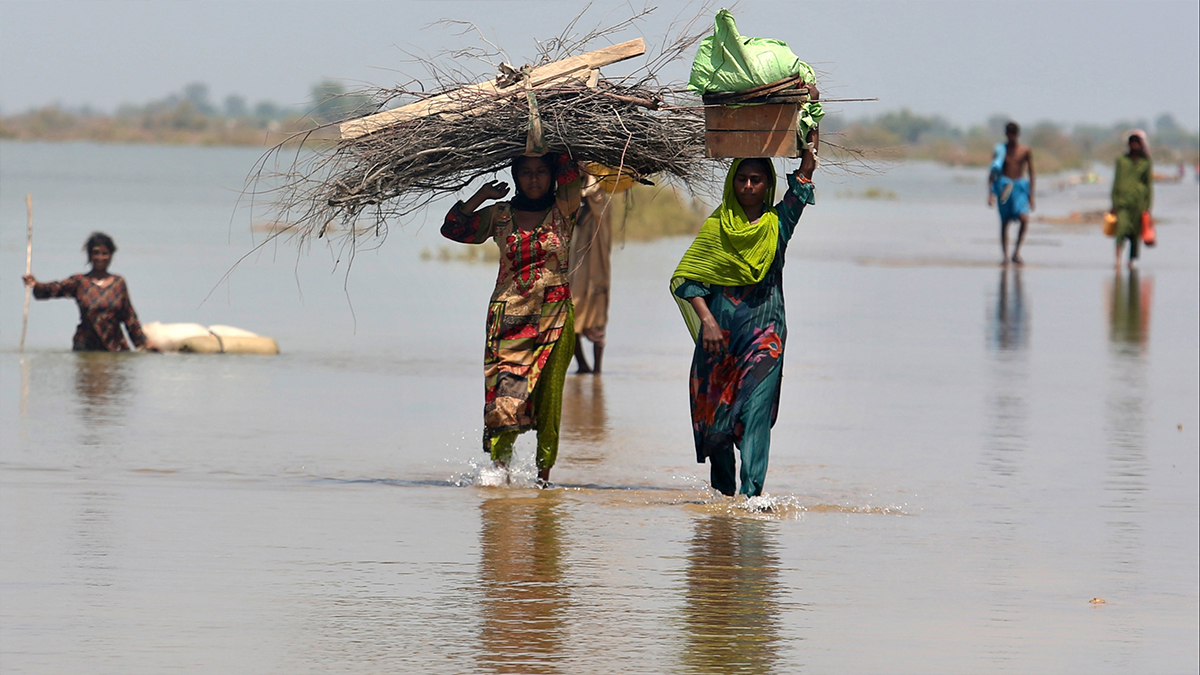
point(729, 250)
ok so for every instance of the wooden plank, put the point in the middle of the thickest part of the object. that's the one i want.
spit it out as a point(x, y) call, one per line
point(769, 117)
point(476, 107)
point(468, 97)
point(779, 143)
point(729, 97)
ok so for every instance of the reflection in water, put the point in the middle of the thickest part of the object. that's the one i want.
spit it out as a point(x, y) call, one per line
point(732, 610)
point(1129, 334)
point(1005, 443)
point(24, 387)
point(525, 600)
point(1008, 329)
point(1129, 309)
point(94, 538)
point(102, 390)
point(1008, 340)
point(584, 417)
point(1125, 476)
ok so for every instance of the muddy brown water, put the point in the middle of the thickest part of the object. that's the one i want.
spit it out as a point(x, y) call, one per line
point(965, 456)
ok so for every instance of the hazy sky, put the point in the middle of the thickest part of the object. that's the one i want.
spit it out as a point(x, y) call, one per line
point(1064, 61)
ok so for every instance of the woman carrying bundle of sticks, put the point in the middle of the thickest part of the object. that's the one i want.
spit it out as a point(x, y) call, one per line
point(729, 286)
point(530, 320)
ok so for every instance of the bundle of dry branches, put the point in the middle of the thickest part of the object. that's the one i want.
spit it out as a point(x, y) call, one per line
point(358, 184)
point(352, 186)
point(625, 127)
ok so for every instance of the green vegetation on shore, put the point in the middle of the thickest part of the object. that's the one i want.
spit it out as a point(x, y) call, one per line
point(905, 135)
point(190, 118)
point(648, 212)
point(185, 118)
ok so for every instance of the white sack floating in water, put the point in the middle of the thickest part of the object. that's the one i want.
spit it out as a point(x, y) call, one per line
point(192, 337)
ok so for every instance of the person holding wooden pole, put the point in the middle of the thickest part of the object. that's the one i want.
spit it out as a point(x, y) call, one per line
point(531, 319)
point(729, 287)
point(103, 300)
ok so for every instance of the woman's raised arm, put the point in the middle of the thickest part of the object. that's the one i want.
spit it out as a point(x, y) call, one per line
point(569, 190)
point(800, 191)
point(465, 223)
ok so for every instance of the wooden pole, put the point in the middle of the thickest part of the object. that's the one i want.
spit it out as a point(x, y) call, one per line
point(28, 266)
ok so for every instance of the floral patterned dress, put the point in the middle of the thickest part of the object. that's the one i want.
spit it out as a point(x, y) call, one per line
point(102, 310)
point(752, 318)
point(529, 307)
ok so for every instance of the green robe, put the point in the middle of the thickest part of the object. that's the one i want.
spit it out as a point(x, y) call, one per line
point(1132, 194)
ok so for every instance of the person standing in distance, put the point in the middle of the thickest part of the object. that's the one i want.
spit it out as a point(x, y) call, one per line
point(1011, 190)
point(103, 300)
point(1132, 194)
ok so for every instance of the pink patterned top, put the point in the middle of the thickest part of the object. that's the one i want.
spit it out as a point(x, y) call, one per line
point(531, 301)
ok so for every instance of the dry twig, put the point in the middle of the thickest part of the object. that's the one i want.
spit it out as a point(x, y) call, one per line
point(355, 188)
point(359, 186)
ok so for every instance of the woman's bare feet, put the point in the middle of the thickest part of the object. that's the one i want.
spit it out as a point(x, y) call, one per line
point(1017, 259)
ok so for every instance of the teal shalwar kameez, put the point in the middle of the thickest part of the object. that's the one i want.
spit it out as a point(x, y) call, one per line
point(735, 394)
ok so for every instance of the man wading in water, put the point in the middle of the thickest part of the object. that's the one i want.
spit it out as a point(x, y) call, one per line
point(1007, 183)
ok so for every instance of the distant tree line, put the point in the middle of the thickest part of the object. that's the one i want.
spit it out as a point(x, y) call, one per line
point(905, 134)
point(328, 101)
point(191, 116)
point(188, 116)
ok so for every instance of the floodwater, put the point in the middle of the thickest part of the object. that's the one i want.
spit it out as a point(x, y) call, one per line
point(965, 456)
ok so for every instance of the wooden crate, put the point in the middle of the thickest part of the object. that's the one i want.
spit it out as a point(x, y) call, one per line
point(768, 130)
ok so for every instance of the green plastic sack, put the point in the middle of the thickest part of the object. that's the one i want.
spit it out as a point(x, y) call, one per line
point(726, 61)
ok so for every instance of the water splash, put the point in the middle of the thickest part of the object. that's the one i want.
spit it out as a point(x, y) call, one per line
point(483, 473)
point(784, 507)
point(492, 476)
point(767, 506)
point(688, 492)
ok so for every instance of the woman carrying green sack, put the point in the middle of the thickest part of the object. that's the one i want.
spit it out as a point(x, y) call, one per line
point(729, 287)
point(1132, 194)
